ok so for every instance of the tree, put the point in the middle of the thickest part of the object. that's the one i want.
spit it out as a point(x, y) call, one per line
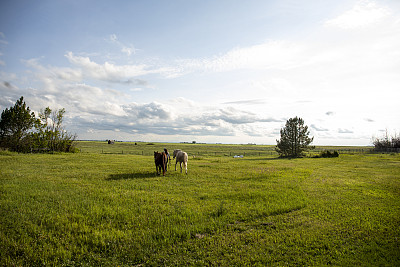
point(386, 144)
point(294, 139)
point(51, 135)
point(21, 131)
point(15, 124)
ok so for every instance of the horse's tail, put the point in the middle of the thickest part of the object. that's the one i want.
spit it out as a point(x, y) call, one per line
point(185, 161)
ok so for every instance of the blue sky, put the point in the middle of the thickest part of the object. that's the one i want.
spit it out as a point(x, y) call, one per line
point(209, 71)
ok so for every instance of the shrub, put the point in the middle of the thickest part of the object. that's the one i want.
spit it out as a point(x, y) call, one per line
point(327, 154)
point(387, 144)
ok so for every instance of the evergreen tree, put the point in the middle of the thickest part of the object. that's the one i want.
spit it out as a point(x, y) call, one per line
point(294, 139)
point(15, 124)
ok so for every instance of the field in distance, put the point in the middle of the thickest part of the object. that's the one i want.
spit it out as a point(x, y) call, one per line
point(198, 149)
point(113, 210)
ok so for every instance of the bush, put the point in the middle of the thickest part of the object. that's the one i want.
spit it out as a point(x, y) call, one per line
point(387, 144)
point(327, 154)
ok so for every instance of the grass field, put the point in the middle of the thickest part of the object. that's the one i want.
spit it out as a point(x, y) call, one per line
point(143, 148)
point(91, 209)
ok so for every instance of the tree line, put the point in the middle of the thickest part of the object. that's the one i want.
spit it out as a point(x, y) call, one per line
point(22, 131)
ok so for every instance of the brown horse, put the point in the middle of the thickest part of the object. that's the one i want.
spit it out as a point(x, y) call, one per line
point(160, 159)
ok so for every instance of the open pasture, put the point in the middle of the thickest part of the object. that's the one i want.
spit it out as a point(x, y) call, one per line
point(90, 209)
point(198, 149)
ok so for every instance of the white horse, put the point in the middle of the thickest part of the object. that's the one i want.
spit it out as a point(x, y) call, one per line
point(180, 157)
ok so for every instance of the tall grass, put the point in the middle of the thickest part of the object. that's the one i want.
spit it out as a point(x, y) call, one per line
point(100, 209)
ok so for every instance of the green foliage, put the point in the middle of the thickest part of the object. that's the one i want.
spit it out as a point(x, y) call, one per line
point(50, 135)
point(327, 154)
point(193, 150)
point(387, 144)
point(21, 131)
point(89, 209)
point(15, 124)
point(294, 139)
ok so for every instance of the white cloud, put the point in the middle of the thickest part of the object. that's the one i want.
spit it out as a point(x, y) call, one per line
point(106, 71)
point(89, 100)
point(246, 102)
point(345, 131)
point(126, 49)
point(318, 129)
point(110, 72)
point(284, 55)
point(364, 13)
point(2, 39)
point(2, 62)
point(161, 120)
point(148, 112)
point(280, 55)
point(65, 87)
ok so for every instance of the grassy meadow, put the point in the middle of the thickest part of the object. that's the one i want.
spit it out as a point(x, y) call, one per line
point(111, 209)
point(147, 149)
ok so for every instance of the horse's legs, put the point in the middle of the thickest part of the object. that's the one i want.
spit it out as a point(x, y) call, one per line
point(185, 167)
point(164, 168)
point(180, 164)
point(175, 164)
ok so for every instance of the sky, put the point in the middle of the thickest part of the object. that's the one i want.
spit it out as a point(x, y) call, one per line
point(213, 71)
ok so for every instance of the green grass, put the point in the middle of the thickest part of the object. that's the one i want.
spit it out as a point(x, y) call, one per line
point(147, 149)
point(142, 148)
point(88, 209)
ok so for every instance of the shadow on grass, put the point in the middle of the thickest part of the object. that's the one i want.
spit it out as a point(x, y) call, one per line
point(126, 176)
